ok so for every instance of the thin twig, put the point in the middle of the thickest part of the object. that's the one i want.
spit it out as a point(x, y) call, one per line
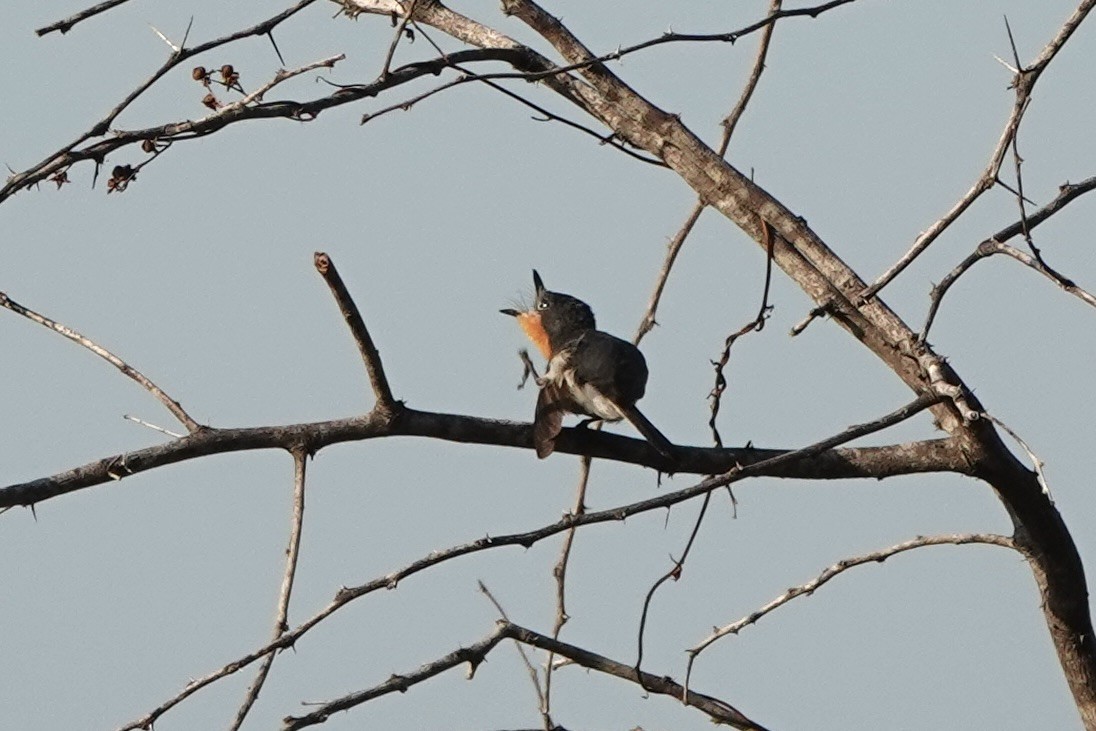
point(530, 668)
point(1035, 461)
point(674, 573)
point(838, 568)
point(281, 615)
point(386, 403)
point(996, 245)
point(559, 573)
point(548, 116)
point(1041, 266)
point(1018, 162)
point(473, 655)
point(66, 25)
point(672, 249)
point(715, 396)
point(488, 80)
point(169, 403)
point(153, 427)
point(174, 48)
point(279, 77)
point(730, 123)
point(401, 26)
point(821, 311)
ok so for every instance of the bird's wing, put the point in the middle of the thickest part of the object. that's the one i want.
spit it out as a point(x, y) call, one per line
point(613, 366)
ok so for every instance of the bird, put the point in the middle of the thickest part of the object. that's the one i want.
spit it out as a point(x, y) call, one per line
point(590, 372)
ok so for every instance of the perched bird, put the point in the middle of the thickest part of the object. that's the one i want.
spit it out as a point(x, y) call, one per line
point(590, 372)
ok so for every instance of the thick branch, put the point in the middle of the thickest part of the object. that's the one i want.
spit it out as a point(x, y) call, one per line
point(935, 455)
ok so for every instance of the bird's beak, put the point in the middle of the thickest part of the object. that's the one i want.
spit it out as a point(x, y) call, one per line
point(510, 312)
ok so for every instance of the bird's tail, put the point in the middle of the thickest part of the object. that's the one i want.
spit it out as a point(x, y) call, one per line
point(651, 433)
point(547, 421)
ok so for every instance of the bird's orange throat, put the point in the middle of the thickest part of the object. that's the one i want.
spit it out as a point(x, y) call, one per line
point(534, 330)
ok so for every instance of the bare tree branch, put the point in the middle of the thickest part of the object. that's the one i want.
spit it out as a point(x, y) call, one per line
point(996, 245)
point(129, 371)
point(532, 67)
point(542, 702)
point(757, 324)
point(401, 28)
point(467, 77)
point(386, 403)
point(68, 154)
point(1024, 83)
point(934, 455)
point(1036, 463)
point(446, 21)
point(974, 446)
point(674, 573)
point(730, 123)
point(474, 654)
point(719, 711)
point(528, 538)
point(281, 615)
point(559, 573)
point(839, 568)
point(66, 25)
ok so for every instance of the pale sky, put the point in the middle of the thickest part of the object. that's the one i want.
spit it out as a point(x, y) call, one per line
point(870, 121)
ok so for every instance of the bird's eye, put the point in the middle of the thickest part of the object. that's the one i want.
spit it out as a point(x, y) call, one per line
point(542, 305)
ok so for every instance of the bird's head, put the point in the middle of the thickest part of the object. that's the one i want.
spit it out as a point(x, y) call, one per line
point(554, 319)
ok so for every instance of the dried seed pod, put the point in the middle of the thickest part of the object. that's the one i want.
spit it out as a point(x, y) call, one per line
point(120, 178)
